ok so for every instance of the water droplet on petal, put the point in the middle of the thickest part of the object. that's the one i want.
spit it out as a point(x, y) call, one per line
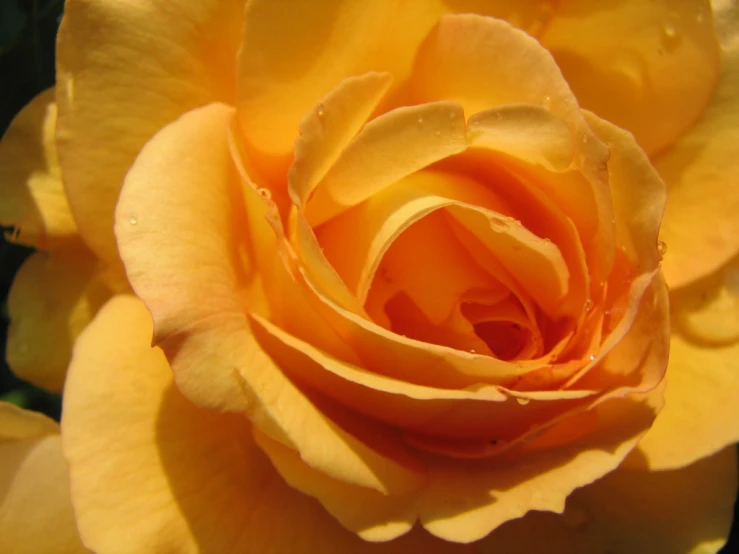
point(548, 101)
point(522, 401)
point(133, 220)
point(499, 225)
point(671, 32)
point(473, 351)
point(320, 110)
point(661, 248)
point(591, 358)
point(420, 120)
point(589, 305)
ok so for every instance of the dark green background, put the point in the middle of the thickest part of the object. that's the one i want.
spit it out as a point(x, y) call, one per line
point(27, 36)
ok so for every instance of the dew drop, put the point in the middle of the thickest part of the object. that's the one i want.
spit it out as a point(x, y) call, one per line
point(499, 225)
point(522, 401)
point(473, 351)
point(671, 33)
point(420, 120)
point(589, 305)
point(670, 30)
point(548, 101)
point(661, 248)
point(133, 220)
point(320, 110)
point(591, 358)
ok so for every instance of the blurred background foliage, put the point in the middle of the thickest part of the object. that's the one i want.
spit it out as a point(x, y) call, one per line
point(27, 38)
point(27, 45)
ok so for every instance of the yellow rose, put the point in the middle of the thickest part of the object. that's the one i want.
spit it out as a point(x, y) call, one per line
point(404, 289)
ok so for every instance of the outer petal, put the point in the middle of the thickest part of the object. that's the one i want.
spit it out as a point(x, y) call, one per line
point(33, 200)
point(35, 509)
point(54, 295)
point(685, 511)
point(199, 478)
point(647, 67)
point(124, 70)
point(700, 227)
point(701, 414)
point(281, 80)
point(465, 501)
point(185, 176)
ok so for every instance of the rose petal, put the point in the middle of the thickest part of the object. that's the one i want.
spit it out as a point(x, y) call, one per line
point(390, 147)
point(703, 379)
point(54, 295)
point(663, 512)
point(183, 176)
point(478, 61)
point(35, 512)
point(330, 127)
point(646, 68)
point(106, 50)
point(30, 181)
point(198, 475)
point(282, 80)
point(467, 500)
point(700, 226)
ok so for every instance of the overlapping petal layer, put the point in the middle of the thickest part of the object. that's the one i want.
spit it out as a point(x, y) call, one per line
point(35, 508)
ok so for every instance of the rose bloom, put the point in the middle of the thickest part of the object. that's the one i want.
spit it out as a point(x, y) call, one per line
point(378, 276)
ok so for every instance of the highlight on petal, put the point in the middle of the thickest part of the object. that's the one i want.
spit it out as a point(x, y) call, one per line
point(30, 181)
point(701, 229)
point(648, 68)
point(198, 475)
point(531, 133)
point(685, 510)
point(105, 51)
point(390, 147)
point(638, 195)
point(326, 131)
point(184, 175)
point(35, 508)
point(53, 296)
